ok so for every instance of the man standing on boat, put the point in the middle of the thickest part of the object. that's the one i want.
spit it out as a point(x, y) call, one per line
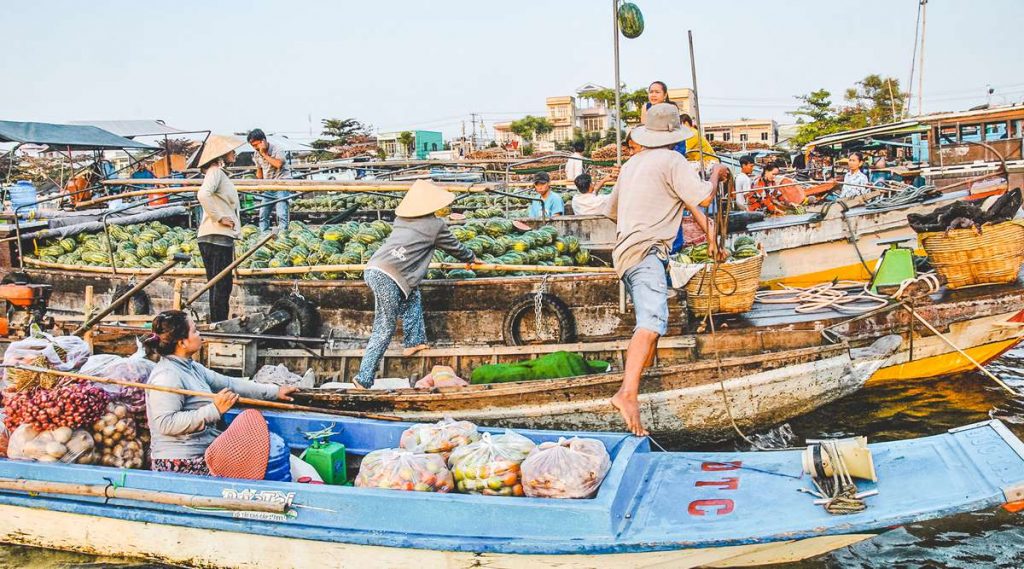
point(271, 164)
point(654, 188)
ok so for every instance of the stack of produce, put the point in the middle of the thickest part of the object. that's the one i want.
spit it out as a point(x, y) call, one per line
point(118, 438)
point(61, 444)
point(400, 469)
point(491, 466)
point(300, 245)
point(441, 437)
point(497, 241)
point(335, 202)
point(144, 245)
point(571, 468)
point(743, 248)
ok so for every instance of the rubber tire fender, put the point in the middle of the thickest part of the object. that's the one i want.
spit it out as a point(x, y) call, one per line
point(139, 303)
point(16, 277)
point(511, 331)
point(305, 320)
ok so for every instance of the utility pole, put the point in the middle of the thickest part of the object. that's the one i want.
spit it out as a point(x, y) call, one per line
point(618, 85)
point(920, 64)
point(472, 117)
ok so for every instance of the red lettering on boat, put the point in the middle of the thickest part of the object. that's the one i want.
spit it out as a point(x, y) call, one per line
point(719, 507)
point(723, 484)
point(720, 466)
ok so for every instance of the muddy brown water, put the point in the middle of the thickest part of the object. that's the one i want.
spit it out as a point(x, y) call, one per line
point(988, 539)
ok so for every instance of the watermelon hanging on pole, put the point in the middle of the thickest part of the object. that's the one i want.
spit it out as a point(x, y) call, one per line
point(631, 20)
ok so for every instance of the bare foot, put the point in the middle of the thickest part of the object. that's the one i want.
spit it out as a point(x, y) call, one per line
point(414, 350)
point(629, 408)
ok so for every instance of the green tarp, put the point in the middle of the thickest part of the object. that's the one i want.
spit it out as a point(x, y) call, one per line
point(64, 136)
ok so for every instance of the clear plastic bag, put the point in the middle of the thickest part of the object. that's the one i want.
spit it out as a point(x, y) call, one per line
point(572, 468)
point(399, 469)
point(135, 368)
point(441, 437)
point(62, 444)
point(491, 466)
point(441, 376)
point(63, 353)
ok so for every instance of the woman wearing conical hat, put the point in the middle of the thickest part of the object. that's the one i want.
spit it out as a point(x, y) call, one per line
point(397, 268)
point(221, 224)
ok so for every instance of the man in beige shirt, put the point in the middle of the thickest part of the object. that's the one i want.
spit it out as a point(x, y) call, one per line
point(654, 188)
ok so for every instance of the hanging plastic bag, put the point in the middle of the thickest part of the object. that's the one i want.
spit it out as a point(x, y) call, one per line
point(572, 468)
point(490, 466)
point(441, 437)
point(399, 469)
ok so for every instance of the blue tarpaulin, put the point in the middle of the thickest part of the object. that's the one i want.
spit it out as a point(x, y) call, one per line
point(63, 136)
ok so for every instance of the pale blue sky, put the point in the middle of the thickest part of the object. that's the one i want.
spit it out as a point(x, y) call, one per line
point(230, 66)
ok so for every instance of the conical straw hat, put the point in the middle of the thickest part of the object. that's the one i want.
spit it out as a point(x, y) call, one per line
point(423, 198)
point(217, 145)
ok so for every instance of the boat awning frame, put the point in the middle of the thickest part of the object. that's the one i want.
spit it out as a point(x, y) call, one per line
point(887, 130)
point(66, 137)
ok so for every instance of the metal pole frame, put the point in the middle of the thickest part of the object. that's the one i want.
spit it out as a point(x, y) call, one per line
point(618, 84)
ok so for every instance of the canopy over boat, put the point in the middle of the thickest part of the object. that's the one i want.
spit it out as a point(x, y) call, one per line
point(718, 508)
point(65, 136)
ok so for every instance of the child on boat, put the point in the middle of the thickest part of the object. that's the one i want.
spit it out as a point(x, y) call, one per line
point(183, 427)
point(397, 268)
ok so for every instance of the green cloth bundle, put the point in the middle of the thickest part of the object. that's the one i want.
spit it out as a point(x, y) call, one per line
point(556, 365)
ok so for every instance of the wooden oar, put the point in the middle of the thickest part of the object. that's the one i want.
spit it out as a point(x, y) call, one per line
point(227, 270)
point(207, 395)
point(137, 494)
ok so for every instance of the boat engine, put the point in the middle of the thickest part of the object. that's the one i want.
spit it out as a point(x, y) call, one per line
point(24, 305)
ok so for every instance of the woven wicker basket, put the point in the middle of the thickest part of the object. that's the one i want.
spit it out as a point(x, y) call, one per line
point(965, 258)
point(732, 291)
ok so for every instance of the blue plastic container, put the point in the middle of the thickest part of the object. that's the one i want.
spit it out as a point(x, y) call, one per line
point(23, 193)
point(279, 462)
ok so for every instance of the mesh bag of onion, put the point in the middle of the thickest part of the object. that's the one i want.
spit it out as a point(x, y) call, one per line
point(70, 405)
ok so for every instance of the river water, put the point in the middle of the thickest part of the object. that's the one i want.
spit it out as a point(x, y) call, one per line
point(989, 539)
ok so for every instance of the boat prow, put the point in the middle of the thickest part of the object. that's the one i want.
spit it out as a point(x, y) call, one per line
point(677, 509)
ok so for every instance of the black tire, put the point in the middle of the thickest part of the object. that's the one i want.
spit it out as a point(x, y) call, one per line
point(16, 277)
point(139, 303)
point(305, 317)
point(511, 327)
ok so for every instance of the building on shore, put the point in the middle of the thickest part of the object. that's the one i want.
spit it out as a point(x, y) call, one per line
point(424, 142)
point(750, 133)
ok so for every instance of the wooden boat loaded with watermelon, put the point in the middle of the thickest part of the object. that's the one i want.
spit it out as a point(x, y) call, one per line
point(673, 509)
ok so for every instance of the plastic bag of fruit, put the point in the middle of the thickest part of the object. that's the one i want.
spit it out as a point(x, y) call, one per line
point(491, 466)
point(572, 468)
point(441, 437)
point(400, 469)
point(135, 368)
point(62, 444)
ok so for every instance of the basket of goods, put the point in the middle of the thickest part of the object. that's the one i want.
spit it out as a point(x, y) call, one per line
point(400, 469)
point(979, 255)
point(572, 468)
point(491, 465)
point(441, 437)
point(716, 288)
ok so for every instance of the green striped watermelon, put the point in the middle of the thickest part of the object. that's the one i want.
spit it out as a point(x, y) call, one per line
point(631, 21)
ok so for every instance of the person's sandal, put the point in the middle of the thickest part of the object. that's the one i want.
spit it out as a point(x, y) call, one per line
point(414, 350)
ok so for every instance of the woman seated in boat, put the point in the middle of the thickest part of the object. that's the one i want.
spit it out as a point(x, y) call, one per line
point(182, 427)
point(855, 182)
point(765, 196)
point(397, 268)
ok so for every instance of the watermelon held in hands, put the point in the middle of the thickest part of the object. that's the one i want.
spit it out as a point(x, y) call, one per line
point(631, 20)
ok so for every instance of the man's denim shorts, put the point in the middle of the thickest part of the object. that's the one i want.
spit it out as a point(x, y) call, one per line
point(648, 287)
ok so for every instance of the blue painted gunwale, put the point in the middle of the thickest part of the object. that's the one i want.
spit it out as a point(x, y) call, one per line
point(642, 505)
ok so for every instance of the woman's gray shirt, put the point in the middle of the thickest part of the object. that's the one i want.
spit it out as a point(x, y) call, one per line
point(183, 426)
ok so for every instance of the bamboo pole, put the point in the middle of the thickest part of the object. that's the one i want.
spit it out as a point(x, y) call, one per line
point(227, 270)
point(110, 491)
point(92, 320)
point(207, 395)
point(248, 182)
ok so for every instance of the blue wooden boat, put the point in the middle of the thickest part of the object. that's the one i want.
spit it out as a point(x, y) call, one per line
point(665, 509)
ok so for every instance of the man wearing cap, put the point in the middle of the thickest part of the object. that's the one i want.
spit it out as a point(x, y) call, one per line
point(271, 164)
point(654, 188)
point(550, 203)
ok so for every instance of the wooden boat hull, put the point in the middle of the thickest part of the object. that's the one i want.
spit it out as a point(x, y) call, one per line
point(196, 547)
point(701, 401)
point(724, 509)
